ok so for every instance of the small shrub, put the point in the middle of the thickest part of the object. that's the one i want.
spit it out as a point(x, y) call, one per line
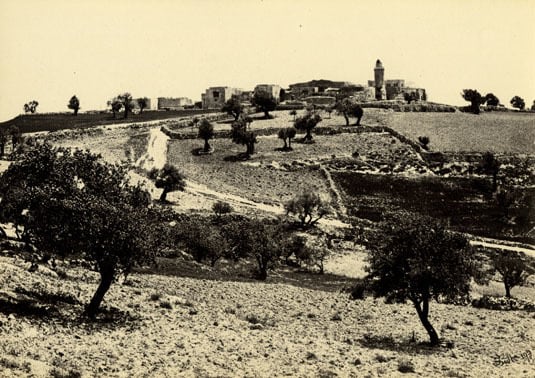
point(405, 366)
point(220, 208)
point(380, 358)
point(166, 304)
point(155, 297)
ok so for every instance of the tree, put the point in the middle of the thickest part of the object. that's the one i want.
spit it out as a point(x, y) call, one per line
point(264, 102)
point(31, 107)
point(287, 133)
point(143, 103)
point(116, 105)
point(220, 208)
point(74, 104)
point(4, 138)
point(307, 123)
point(308, 207)
point(293, 113)
point(348, 108)
point(491, 99)
point(168, 178)
point(414, 258)
point(206, 132)
point(233, 107)
point(16, 135)
point(203, 241)
point(489, 165)
point(72, 204)
point(533, 106)
point(514, 267)
point(424, 142)
point(410, 96)
point(475, 99)
point(262, 242)
point(127, 102)
point(241, 135)
point(518, 102)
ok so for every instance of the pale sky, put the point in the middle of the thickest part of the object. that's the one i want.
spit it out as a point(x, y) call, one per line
point(51, 50)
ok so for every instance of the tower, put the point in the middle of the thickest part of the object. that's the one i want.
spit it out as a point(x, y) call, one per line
point(379, 76)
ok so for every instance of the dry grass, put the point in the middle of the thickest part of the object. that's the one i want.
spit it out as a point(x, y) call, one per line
point(499, 132)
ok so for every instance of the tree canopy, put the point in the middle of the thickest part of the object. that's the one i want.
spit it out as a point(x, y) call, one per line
point(414, 258)
point(307, 123)
point(491, 99)
point(206, 132)
point(233, 107)
point(518, 102)
point(264, 102)
point(74, 104)
point(168, 178)
point(475, 99)
point(73, 204)
point(349, 108)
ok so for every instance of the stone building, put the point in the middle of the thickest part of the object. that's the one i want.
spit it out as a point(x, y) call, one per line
point(392, 89)
point(171, 103)
point(215, 97)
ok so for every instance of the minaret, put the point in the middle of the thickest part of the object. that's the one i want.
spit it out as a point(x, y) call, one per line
point(379, 80)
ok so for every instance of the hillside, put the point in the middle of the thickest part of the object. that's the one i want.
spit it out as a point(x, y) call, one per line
point(185, 319)
point(60, 121)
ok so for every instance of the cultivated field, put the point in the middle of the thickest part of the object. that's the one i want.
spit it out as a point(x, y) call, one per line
point(499, 132)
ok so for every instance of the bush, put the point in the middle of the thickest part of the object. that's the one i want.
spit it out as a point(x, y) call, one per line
point(220, 208)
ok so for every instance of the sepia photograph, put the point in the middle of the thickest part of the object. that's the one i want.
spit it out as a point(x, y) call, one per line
point(266, 188)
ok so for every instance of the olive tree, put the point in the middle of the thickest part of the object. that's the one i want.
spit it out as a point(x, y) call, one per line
point(307, 123)
point(74, 104)
point(475, 99)
point(415, 258)
point(73, 204)
point(240, 135)
point(233, 107)
point(308, 207)
point(514, 268)
point(287, 133)
point(168, 178)
point(206, 132)
point(348, 108)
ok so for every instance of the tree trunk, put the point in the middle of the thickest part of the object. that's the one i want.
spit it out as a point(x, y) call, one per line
point(347, 119)
point(163, 197)
point(308, 135)
point(266, 114)
point(289, 143)
point(75, 112)
point(125, 113)
point(285, 145)
point(507, 290)
point(423, 315)
point(106, 278)
point(206, 145)
point(358, 121)
point(250, 148)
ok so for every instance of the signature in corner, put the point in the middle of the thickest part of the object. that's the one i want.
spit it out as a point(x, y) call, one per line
point(508, 358)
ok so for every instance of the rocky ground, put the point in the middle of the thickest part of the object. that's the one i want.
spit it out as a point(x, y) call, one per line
point(156, 326)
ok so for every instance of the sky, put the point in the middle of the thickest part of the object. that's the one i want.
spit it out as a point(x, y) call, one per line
point(52, 50)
